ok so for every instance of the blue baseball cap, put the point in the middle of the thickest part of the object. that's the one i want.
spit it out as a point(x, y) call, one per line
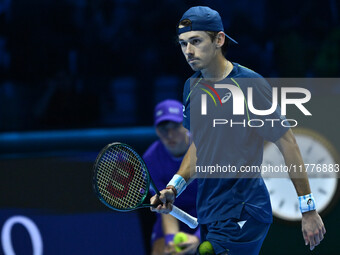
point(168, 110)
point(203, 18)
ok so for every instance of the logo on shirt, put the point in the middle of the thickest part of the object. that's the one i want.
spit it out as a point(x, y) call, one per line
point(226, 97)
point(184, 111)
point(204, 97)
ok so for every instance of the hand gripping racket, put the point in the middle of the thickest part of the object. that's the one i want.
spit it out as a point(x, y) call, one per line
point(121, 181)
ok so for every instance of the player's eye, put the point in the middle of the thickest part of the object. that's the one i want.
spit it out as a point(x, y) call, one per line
point(195, 41)
point(183, 44)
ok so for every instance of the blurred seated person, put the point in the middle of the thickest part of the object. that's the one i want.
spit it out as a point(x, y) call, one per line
point(163, 159)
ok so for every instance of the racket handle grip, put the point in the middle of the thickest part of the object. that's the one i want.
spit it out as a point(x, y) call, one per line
point(184, 217)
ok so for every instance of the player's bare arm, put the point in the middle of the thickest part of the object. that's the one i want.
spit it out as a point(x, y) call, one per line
point(187, 168)
point(313, 228)
point(170, 224)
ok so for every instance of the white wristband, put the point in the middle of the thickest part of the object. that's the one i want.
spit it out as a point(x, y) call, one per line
point(307, 203)
point(179, 183)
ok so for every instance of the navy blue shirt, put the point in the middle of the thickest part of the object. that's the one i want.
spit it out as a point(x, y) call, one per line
point(235, 145)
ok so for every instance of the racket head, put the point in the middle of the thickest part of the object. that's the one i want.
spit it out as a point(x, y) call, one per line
point(121, 180)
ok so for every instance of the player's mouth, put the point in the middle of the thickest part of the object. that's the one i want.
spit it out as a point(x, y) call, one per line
point(191, 60)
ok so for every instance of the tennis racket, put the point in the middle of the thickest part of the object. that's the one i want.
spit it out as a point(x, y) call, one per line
point(122, 181)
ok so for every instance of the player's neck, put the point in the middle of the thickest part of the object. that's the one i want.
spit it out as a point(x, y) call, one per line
point(218, 69)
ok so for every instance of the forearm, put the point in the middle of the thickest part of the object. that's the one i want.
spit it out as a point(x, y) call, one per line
point(292, 156)
point(313, 228)
point(170, 224)
point(185, 173)
point(299, 178)
point(187, 167)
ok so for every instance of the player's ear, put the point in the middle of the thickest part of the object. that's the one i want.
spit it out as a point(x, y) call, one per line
point(220, 39)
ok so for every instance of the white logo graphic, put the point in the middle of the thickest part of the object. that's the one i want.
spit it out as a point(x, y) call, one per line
point(173, 110)
point(184, 111)
point(226, 97)
point(159, 113)
point(32, 230)
point(241, 223)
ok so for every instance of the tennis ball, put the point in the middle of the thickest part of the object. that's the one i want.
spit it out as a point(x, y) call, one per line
point(180, 237)
point(206, 248)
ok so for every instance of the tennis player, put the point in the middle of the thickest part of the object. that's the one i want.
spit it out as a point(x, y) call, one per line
point(234, 213)
point(163, 159)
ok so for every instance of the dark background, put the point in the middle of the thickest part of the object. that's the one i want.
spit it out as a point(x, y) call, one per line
point(104, 63)
point(78, 74)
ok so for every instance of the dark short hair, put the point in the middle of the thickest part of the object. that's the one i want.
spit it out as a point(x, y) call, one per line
point(212, 35)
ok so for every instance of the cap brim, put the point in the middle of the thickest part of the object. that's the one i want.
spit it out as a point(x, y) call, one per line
point(174, 118)
point(231, 39)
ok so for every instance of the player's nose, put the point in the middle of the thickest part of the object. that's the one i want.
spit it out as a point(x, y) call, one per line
point(189, 50)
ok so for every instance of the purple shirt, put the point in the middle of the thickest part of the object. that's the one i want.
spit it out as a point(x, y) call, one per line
point(162, 167)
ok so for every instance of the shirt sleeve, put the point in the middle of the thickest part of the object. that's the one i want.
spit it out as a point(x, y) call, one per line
point(186, 105)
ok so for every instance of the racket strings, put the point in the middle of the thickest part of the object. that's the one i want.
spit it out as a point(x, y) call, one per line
point(122, 179)
point(116, 187)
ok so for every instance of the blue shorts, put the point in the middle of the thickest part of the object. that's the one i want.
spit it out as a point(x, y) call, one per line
point(242, 236)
